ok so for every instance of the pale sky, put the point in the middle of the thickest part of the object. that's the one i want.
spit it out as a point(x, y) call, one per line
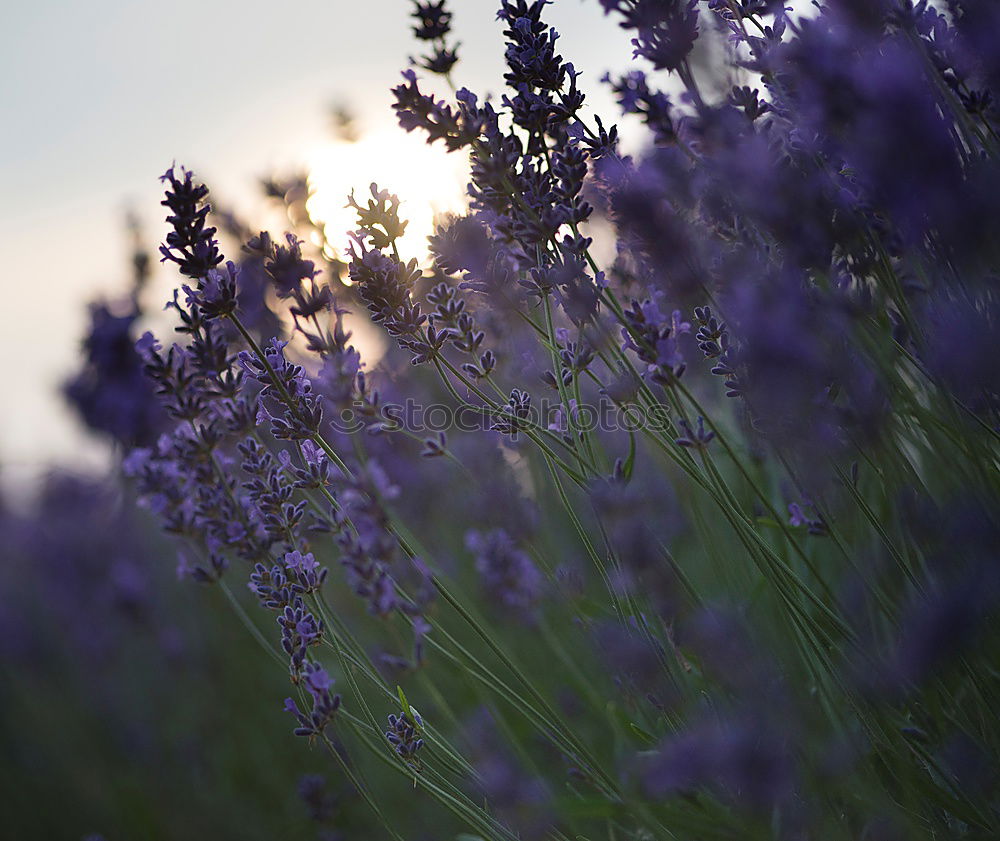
point(99, 97)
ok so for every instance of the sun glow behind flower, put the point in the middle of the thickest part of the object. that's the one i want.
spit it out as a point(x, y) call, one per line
point(429, 182)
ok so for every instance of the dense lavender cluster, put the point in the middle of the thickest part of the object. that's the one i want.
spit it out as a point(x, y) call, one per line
point(761, 604)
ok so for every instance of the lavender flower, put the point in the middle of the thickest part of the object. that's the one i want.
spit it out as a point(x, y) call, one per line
point(665, 31)
point(751, 767)
point(404, 735)
point(324, 704)
point(110, 392)
point(456, 127)
point(191, 244)
point(506, 572)
point(694, 438)
point(798, 518)
point(300, 630)
point(433, 23)
point(514, 414)
point(318, 800)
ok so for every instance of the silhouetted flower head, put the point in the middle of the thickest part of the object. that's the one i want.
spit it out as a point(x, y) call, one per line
point(191, 244)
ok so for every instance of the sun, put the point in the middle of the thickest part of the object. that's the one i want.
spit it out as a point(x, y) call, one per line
point(429, 181)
